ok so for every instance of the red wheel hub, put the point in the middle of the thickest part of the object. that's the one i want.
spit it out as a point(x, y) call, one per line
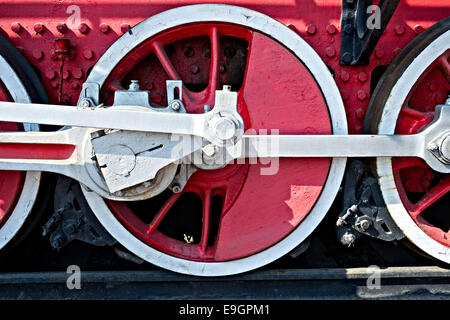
point(11, 182)
point(242, 209)
point(425, 193)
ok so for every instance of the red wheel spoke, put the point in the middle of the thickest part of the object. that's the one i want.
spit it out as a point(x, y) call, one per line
point(215, 56)
point(431, 197)
point(206, 220)
point(444, 66)
point(162, 212)
point(165, 61)
point(413, 120)
point(401, 163)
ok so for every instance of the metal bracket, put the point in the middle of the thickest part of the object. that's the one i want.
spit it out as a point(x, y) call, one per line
point(358, 36)
point(73, 219)
point(364, 209)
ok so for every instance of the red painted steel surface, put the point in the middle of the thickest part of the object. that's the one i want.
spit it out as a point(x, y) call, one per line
point(34, 26)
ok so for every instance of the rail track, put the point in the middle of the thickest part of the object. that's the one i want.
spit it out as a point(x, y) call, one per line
point(327, 283)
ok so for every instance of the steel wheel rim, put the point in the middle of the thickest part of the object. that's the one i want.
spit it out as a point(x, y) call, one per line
point(251, 19)
point(31, 182)
point(384, 167)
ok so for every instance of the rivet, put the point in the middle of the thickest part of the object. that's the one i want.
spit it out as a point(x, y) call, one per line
point(88, 54)
point(432, 86)
point(345, 76)
point(50, 74)
point(194, 69)
point(66, 74)
point(379, 53)
point(418, 29)
point(362, 77)
point(330, 52)
point(38, 27)
point(361, 95)
point(399, 30)
point(83, 27)
point(360, 113)
point(438, 98)
point(55, 85)
point(104, 28)
point(124, 27)
point(38, 54)
point(347, 57)
point(16, 27)
point(311, 29)
point(75, 85)
point(188, 51)
point(222, 68)
point(331, 29)
point(61, 27)
point(77, 73)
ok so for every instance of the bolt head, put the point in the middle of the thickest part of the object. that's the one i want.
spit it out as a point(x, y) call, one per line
point(225, 128)
point(37, 54)
point(399, 30)
point(330, 52)
point(365, 224)
point(418, 29)
point(61, 27)
point(176, 188)
point(347, 57)
point(361, 95)
point(88, 54)
point(209, 150)
point(104, 27)
point(348, 239)
point(362, 77)
point(124, 27)
point(331, 29)
point(175, 105)
point(83, 27)
point(311, 29)
point(50, 74)
point(38, 27)
point(85, 104)
point(445, 147)
point(345, 76)
point(16, 27)
point(134, 85)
